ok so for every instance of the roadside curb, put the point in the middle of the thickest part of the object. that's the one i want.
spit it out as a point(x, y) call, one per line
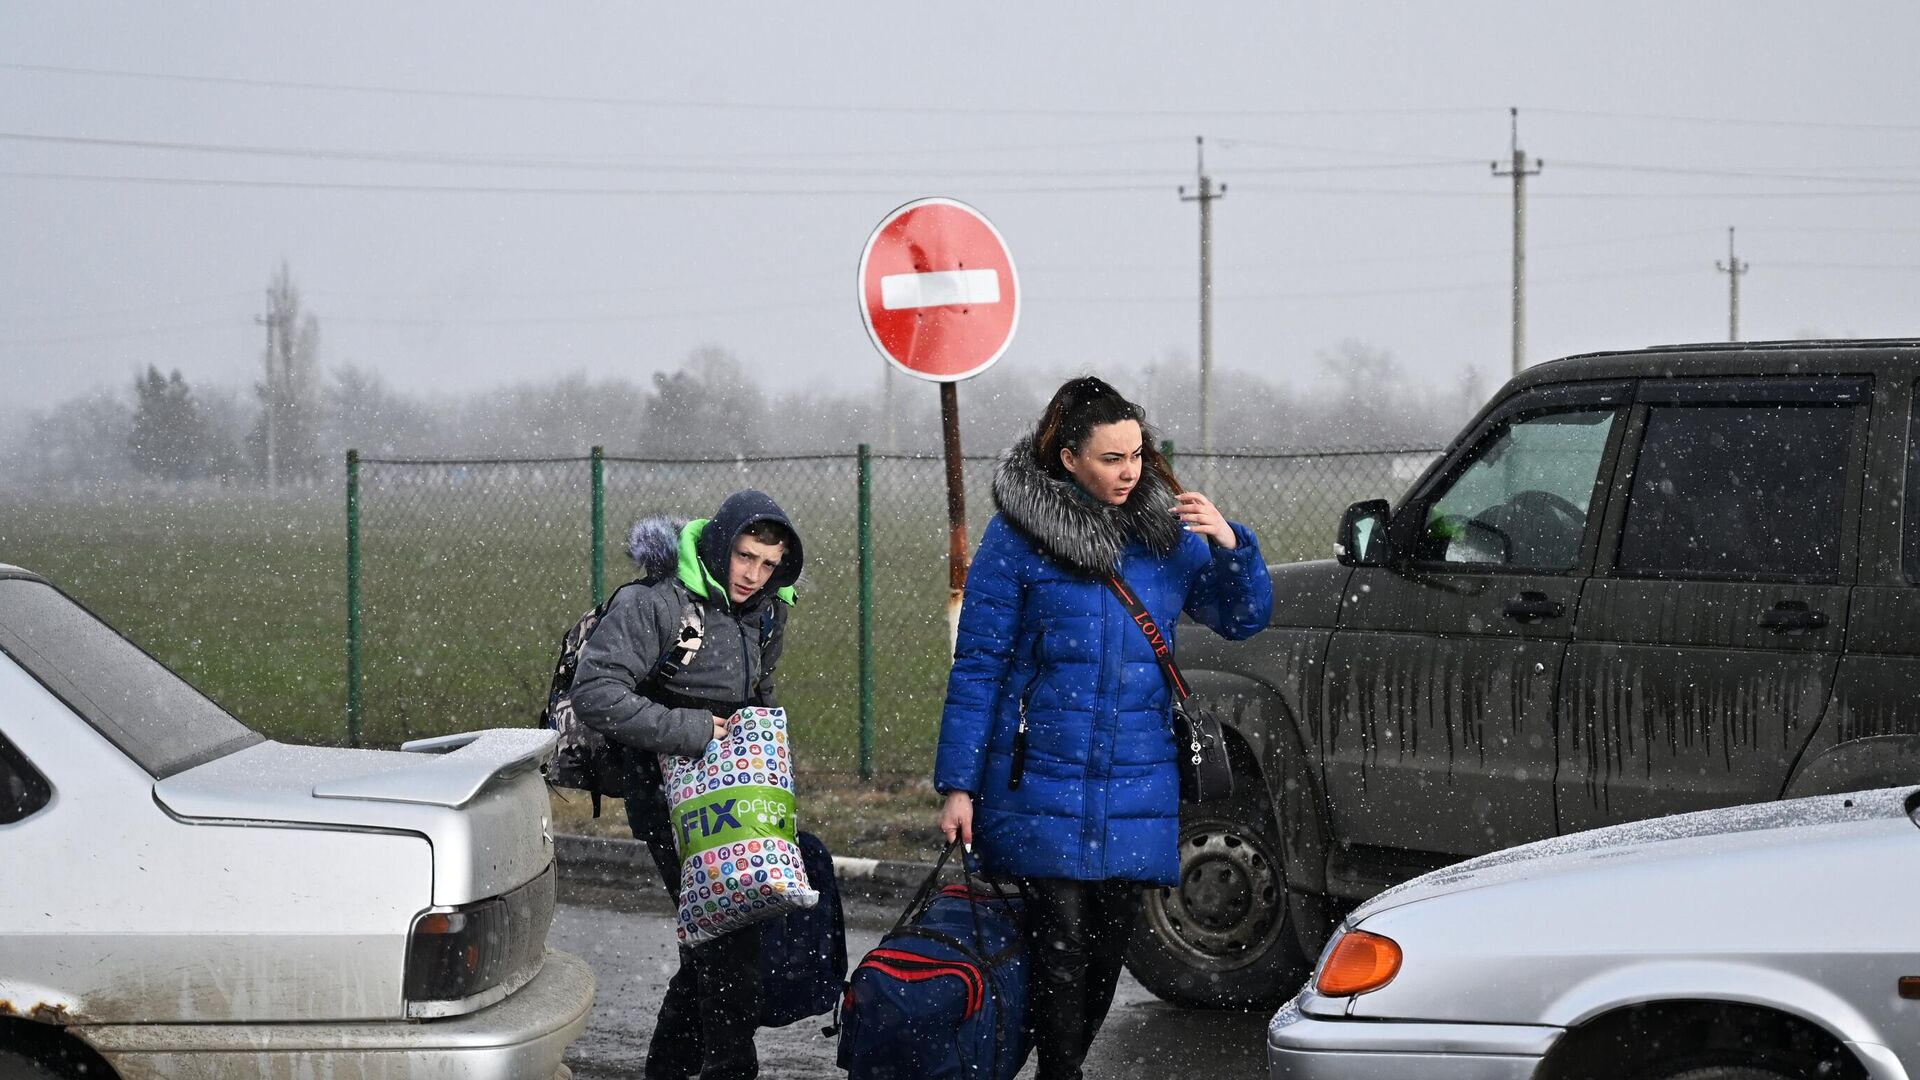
point(610, 857)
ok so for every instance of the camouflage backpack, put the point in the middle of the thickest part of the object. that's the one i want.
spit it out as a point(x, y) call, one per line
point(584, 759)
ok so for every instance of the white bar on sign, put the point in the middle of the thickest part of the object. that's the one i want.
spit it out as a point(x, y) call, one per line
point(941, 287)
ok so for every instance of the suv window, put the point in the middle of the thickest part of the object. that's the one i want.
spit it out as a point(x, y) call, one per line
point(153, 716)
point(22, 789)
point(1729, 491)
point(1522, 502)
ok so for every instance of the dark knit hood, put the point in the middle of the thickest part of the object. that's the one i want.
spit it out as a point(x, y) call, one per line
point(1070, 526)
point(740, 510)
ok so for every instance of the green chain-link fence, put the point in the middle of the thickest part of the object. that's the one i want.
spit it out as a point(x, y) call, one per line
point(465, 574)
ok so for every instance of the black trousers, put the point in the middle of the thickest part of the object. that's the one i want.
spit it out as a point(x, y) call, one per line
point(712, 1005)
point(1077, 943)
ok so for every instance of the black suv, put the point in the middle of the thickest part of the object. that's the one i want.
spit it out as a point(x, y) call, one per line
point(1636, 584)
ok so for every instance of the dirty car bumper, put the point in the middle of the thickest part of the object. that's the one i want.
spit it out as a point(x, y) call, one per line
point(1301, 1047)
point(520, 1038)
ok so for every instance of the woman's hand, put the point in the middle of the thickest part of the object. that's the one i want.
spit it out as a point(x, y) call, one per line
point(1198, 514)
point(956, 818)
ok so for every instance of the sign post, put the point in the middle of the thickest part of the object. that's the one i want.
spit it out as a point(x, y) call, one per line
point(940, 299)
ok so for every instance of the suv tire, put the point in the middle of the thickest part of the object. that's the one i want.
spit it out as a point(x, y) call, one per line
point(1224, 937)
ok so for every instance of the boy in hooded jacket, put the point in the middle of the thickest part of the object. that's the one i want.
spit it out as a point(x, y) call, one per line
point(739, 566)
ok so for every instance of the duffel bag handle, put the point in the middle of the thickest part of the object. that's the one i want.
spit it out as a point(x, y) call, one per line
point(923, 896)
point(969, 867)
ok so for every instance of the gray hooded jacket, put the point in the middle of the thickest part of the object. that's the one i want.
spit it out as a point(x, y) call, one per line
point(684, 563)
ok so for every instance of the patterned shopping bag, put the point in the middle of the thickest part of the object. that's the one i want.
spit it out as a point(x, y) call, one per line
point(733, 821)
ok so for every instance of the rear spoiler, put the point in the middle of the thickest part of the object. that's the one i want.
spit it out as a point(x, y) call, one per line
point(467, 763)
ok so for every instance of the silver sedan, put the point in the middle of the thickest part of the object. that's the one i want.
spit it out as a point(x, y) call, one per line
point(1769, 942)
point(183, 898)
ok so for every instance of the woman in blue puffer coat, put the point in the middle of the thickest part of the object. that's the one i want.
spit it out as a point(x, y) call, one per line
point(1056, 749)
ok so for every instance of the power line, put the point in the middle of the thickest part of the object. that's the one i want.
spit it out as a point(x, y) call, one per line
point(792, 107)
point(1663, 270)
point(603, 165)
point(945, 151)
point(588, 320)
point(182, 328)
point(703, 164)
point(486, 189)
point(680, 103)
point(1877, 230)
point(95, 316)
point(1315, 148)
point(1429, 193)
point(1798, 265)
point(896, 192)
point(1731, 121)
point(1743, 174)
point(1462, 253)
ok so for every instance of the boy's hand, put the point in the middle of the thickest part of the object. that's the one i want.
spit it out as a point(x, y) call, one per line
point(720, 725)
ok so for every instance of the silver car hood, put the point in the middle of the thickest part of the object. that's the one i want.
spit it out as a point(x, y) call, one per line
point(1761, 824)
point(479, 799)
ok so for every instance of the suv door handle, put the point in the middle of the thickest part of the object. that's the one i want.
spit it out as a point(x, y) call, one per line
point(1533, 605)
point(1792, 615)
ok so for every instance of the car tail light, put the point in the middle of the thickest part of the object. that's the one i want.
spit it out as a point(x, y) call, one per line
point(1358, 962)
point(457, 954)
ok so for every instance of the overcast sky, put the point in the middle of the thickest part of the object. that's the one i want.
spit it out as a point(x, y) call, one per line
point(468, 198)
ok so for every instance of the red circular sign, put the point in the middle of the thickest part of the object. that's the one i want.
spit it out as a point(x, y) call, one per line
point(938, 292)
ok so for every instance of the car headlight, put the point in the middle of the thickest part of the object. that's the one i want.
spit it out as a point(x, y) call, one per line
point(1357, 962)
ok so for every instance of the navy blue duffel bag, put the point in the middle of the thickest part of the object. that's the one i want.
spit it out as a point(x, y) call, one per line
point(803, 954)
point(944, 994)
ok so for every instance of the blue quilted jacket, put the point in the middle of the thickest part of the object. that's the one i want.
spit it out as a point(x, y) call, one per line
point(1099, 797)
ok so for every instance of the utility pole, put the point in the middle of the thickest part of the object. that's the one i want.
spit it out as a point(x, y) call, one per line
point(1519, 171)
point(1205, 197)
point(1734, 269)
point(271, 398)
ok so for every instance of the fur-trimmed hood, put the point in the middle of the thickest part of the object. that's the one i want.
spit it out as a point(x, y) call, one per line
point(1071, 527)
point(654, 545)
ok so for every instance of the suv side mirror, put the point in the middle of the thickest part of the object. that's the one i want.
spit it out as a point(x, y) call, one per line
point(1363, 534)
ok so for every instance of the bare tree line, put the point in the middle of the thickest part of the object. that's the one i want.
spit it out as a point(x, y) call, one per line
point(713, 403)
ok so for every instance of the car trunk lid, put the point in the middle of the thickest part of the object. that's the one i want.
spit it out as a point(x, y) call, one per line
point(480, 799)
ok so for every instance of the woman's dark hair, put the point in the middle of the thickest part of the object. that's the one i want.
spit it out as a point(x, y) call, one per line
point(1079, 406)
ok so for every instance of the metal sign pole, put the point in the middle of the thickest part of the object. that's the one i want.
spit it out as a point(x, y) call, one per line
point(956, 509)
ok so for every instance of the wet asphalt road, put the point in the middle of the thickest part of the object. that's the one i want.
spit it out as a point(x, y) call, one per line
point(629, 941)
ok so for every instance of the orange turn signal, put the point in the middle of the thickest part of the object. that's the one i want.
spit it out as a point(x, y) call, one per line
point(1358, 962)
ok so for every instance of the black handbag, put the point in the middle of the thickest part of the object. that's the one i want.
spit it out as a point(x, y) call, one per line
point(1205, 773)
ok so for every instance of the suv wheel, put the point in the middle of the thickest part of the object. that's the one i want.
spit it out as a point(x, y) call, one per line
point(1221, 938)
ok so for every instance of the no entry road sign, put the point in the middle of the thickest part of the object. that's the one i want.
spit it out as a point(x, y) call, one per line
point(938, 292)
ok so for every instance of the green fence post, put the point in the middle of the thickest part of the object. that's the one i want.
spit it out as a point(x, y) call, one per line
point(353, 598)
point(599, 525)
point(866, 611)
point(1166, 450)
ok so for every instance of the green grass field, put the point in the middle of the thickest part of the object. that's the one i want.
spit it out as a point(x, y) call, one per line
point(471, 574)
